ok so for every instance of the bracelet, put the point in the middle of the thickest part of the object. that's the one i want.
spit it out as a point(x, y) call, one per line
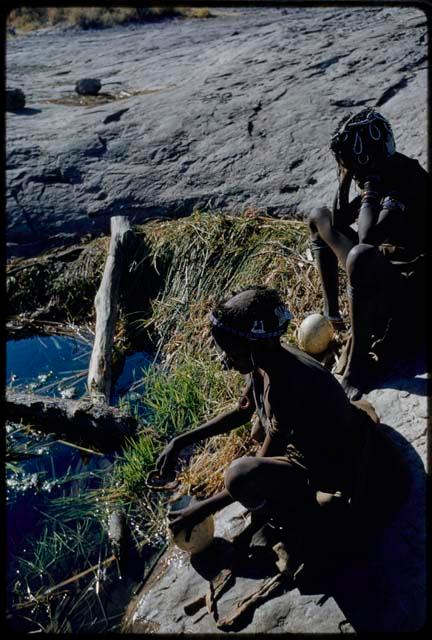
point(244, 403)
point(371, 194)
point(369, 198)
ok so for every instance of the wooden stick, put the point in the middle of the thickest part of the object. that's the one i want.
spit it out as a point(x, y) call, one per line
point(240, 613)
point(77, 446)
point(106, 305)
point(78, 576)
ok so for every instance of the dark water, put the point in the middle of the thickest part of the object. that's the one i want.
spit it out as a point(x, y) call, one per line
point(58, 366)
point(50, 365)
point(48, 483)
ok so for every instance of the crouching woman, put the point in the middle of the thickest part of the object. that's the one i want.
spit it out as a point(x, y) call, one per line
point(321, 458)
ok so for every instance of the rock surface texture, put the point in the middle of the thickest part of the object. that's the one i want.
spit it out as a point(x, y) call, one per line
point(385, 591)
point(231, 112)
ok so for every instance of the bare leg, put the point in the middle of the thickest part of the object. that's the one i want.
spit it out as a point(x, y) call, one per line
point(256, 483)
point(329, 245)
point(373, 287)
point(340, 240)
point(327, 265)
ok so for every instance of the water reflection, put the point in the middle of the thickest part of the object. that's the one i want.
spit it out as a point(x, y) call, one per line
point(57, 518)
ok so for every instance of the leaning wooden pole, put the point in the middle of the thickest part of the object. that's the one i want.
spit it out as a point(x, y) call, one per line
point(106, 305)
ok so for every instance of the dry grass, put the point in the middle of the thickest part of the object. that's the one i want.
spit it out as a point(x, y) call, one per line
point(208, 256)
point(29, 18)
point(204, 475)
point(198, 12)
point(67, 287)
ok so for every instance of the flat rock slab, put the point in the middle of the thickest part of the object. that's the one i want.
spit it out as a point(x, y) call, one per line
point(231, 112)
point(383, 592)
point(175, 583)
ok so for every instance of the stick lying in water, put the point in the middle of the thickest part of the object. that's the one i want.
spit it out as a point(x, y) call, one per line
point(74, 420)
point(78, 576)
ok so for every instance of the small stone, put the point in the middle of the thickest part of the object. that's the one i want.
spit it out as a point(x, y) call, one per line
point(15, 100)
point(88, 86)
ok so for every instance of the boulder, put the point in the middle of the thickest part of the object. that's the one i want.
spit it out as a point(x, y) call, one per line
point(230, 113)
point(15, 99)
point(88, 86)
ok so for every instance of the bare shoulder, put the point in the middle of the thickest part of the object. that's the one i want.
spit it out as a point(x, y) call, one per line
point(306, 375)
point(301, 359)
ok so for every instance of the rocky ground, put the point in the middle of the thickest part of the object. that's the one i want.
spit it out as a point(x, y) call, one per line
point(229, 112)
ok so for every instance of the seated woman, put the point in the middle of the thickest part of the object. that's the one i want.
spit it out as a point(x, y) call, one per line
point(385, 259)
point(320, 453)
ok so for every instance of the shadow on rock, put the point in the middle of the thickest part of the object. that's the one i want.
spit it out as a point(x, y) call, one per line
point(383, 589)
point(413, 386)
point(216, 557)
point(403, 376)
point(257, 562)
point(27, 112)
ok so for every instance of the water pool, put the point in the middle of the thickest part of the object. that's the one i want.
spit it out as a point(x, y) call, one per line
point(56, 524)
point(58, 366)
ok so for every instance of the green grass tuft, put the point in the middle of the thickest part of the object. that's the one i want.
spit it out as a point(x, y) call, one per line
point(174, 400)
point(137, 460)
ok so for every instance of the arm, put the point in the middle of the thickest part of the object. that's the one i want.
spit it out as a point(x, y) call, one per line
point(272, 446)
point(375, 222)
point(380, 226)
point(369, 209)
point(223, 423)
point(343, 213)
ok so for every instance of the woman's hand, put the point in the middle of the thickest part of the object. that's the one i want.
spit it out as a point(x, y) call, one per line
point(344, 178)
point(166, 462)
point(186, 519)
point(344, 175)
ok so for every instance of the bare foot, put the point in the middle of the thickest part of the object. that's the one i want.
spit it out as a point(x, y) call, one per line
point(337, 323)
point(353, 386)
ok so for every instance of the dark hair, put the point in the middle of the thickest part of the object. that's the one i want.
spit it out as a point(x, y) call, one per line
point(254, 313)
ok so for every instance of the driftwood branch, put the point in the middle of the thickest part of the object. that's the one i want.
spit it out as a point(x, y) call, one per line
point(76, 420)
point(106, 304)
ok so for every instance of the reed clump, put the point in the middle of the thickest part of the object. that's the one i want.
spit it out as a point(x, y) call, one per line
point(208, 256)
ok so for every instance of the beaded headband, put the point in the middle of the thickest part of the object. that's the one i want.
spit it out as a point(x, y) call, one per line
point(374, 132)
point(257, 332)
